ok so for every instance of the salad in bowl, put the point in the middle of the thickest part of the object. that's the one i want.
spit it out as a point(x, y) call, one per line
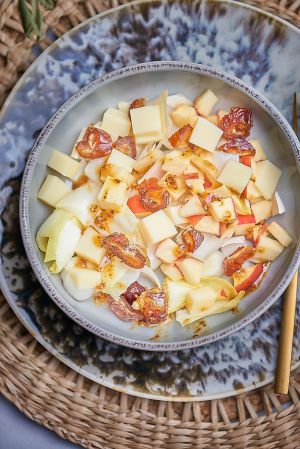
point(166, 209)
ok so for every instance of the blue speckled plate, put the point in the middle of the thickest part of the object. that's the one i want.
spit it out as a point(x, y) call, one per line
point(238, 39)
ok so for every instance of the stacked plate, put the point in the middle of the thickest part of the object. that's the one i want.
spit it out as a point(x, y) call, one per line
point(189, 31)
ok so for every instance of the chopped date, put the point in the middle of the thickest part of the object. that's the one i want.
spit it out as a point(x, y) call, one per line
point(191, 239)
point(138, 103)
point(238, 146)
point(235, 261)
point(126, 145)
point(180, 139)
point(237, 123)
point(123, 309)
point(153, 305)
point(95, 143)
point(118, 245)
point(153, 196)
point(133, 292)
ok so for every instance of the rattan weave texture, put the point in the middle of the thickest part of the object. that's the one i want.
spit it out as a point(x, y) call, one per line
point(92, 415)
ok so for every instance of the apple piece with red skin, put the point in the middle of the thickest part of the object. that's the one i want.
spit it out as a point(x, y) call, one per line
point(245, 278)
point(245, 219)
point(192, 207)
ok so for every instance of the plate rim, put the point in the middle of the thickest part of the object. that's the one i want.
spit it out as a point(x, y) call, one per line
point(38, 268)
point(29, 325)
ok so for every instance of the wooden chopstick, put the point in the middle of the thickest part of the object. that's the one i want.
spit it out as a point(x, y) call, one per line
point(282, 378)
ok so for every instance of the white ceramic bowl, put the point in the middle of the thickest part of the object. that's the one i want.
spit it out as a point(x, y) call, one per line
point(149, 80)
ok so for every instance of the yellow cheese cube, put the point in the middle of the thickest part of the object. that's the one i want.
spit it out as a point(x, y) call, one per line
point(113, 194)
point(235, 175)
point(84, 278)
point(146, 120)
point(279, 233)
point(260, 154)
point(200, 299)
point(156, 227)
point(174, 214)
point(89, 246)
point(191, 269)
point(222, 210)
point(120, 159)
point(267, 177)
point(116, 123)
point(205, 135)
point(64, 164)
point(52, 190)
point(205, 102)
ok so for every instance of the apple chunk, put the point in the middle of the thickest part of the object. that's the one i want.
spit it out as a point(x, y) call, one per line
point(205, 102)
point(209, 225)
point(267, 249)
point(176, 162)
point(168, 251)
point(262, 210)
point(192, 207)
point(184, 114)
point(171, 271)
point(245, 278)
point(222, 210)
point(174, 214)
point(177, 292)
point(200, 299)
point(191, 270)
point(279, 233)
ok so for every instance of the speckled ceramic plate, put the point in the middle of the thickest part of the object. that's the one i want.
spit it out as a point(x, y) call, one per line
point(238, 39)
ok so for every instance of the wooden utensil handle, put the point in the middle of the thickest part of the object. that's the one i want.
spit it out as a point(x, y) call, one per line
point(286, 338)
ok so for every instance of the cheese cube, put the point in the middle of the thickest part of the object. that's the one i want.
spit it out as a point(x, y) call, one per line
point(176, 162)
point(142, 165)
point(173, 213)
point(205, 135)
point(260, 155)
point(74, 153)
point(262, 210)
point(147, 138)
point(113, 194)
point(200, 299)
point(191, 270)
point(205, 103)
point(279, 233)
point(171, 271)
point(116, 123)
point(267, 177)
point(156, 227)
point(168, 251)
point(89, 246)
point(235, 175)
point(222, 210)
point(120, 159)
point(52, 190)
point(84, 278)
point(146, 120)
point(64, 164)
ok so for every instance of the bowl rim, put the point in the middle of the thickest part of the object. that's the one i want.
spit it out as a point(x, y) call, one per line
point(31, 252)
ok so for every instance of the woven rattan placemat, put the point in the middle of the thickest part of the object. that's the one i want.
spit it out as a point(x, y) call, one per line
point(92, 415)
